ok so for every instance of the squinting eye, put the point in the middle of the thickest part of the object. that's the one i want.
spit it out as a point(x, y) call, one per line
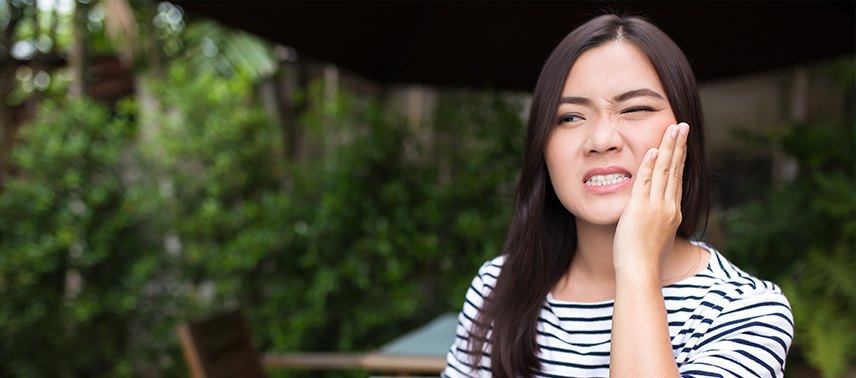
point(565, 118)
point(632, 110)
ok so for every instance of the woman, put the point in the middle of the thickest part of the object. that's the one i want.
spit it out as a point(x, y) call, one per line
point(599, 275)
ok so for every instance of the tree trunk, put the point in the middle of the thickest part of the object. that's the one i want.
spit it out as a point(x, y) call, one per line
point(77, 57)
point(74, 281)
point(7, 80)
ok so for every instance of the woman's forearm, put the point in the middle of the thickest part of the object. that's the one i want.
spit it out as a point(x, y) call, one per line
point(641, 346)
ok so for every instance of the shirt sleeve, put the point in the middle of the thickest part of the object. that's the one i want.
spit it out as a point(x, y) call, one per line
point(750, 338)
point(458, 359)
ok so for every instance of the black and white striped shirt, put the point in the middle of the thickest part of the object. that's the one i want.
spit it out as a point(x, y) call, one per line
point(723, 322)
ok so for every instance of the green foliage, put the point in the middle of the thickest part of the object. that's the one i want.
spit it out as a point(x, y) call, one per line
point(67, 214)
point(212, 48)
point(803, 234)
point(198, 211)
point(213, 178)
point(382, 238)
point(344, 252)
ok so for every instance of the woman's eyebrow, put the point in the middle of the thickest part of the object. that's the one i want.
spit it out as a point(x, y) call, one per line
point(620, 98)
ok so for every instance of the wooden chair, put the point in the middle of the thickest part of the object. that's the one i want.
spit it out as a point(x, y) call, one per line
point(220, 347)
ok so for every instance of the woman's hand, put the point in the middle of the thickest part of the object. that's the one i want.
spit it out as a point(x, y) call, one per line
point(649, 221)
point(641, 344)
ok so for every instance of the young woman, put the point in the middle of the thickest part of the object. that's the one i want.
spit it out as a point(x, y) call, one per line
point(598, 275)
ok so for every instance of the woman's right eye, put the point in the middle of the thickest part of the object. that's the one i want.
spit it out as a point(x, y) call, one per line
point(565, 118)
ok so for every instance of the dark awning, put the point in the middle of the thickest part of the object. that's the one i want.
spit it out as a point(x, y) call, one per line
point(504, 44)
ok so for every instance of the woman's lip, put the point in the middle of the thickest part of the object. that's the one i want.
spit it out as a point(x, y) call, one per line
point(608, 188)
point(605, 171)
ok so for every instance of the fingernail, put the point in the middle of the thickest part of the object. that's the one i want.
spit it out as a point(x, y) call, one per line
point(652, 153)
point(685, 129)
point(675, 130)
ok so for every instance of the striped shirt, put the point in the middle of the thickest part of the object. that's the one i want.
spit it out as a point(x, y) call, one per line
point(723, 322)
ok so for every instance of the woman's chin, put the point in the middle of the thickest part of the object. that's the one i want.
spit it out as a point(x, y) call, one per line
point(601, 211)
point(602, 218)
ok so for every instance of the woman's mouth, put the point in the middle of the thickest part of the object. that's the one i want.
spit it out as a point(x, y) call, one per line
point(607, 183)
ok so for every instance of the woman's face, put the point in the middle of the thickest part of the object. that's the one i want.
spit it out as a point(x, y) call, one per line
point(597, 127)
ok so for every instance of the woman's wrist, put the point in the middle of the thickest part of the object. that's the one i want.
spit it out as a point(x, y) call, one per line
point(638, 274)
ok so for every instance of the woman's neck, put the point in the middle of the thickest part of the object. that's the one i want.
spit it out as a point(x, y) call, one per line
point(593, 257)
point(592, 275)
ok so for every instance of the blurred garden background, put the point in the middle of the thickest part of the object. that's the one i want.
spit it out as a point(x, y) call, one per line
point(158, 166)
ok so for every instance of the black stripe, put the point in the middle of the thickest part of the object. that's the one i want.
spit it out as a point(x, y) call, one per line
point(776, 339)
point(732, 330)
point(687, 286)
point(699, 372)
point(467, 352)
point(677, 310)
point(553, 375)
point(721, 295)
point(473, 320)
point(581, 305)
point(743, 281)
point(743, 326)
point(759, 346)
point(571, 351)
point(595, 332)
point(570, 364)
point(724, 357)
point(542, 333)
point(592, 319)
point(733, 374)
point(473, 305)
point(473, 288)
point(762, 304)
point(672, 298)
point(481, 367)
point(758, 360)
point(465, 364)
point(722, 266)
point(706, 276)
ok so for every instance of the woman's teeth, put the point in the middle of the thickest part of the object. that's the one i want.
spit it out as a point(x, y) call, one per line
point(603, 180)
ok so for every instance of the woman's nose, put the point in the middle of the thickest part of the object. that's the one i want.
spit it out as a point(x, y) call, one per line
point(604, 137)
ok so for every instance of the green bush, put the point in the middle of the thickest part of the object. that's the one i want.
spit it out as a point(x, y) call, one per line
point(344, 252)
point(215, 200)
point(381, 240)
point(68, 217)
point(802, 235)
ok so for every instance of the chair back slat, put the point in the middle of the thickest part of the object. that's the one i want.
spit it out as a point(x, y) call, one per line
point(220, 347)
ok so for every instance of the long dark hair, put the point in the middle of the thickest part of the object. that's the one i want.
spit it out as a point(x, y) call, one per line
point(542, 239)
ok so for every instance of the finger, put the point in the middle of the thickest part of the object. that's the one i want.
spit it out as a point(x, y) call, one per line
point(678, 197)
point(677, 166)
point(662, 167)
point(642, 177)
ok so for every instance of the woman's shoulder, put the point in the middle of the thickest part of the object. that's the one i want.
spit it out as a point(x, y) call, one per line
point(480, 288)
point(487, 274)
point(492, 266)
point(740, 290)
point(747, 321)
